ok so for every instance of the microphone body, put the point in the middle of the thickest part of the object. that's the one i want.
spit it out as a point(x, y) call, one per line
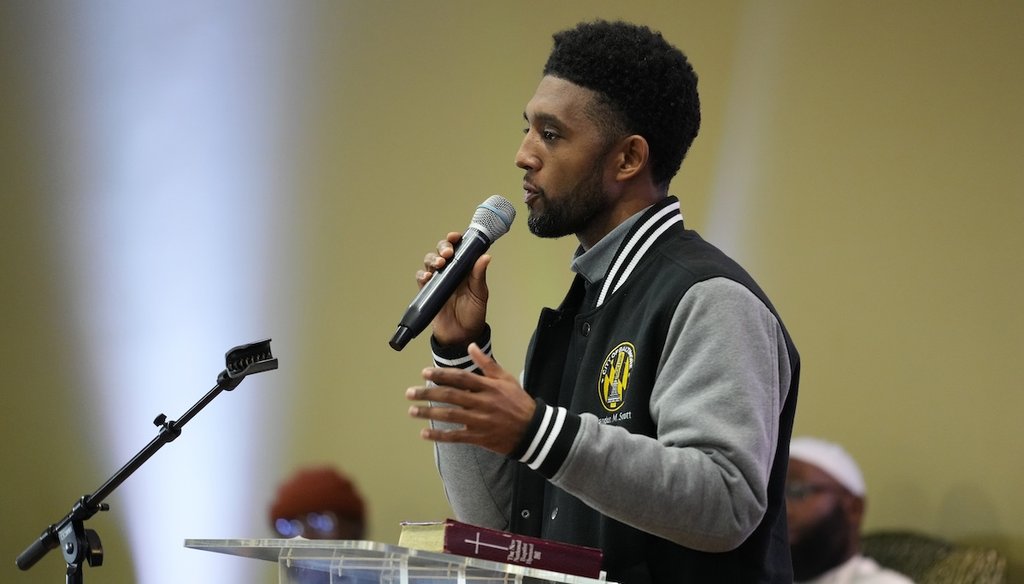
point(492, 220)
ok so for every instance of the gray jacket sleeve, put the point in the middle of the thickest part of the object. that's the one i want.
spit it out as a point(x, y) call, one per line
point(477, 482)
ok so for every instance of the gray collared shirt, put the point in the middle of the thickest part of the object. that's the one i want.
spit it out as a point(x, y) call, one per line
point(593, 263)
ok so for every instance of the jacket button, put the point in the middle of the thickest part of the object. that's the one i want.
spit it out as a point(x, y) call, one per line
point(525, 513)
point(585, 329)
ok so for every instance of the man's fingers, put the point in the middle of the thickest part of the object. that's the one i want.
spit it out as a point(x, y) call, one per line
point(432, 261)
point(447, 415)
point(460, 379)
point(451, 435)
point(462, 418)
point(442, 394)
point(467, 380)
point(446, 247)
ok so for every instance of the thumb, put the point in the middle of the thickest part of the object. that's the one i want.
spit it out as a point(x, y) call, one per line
point(477, 279)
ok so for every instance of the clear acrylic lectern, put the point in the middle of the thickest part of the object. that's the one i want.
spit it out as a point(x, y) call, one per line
point(303, 561)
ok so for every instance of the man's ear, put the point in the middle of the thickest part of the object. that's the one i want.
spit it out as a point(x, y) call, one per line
point(632, 157)
point(855, 507)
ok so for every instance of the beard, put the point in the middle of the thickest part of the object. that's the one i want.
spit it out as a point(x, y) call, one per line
point(572, 212)
point(822, 546)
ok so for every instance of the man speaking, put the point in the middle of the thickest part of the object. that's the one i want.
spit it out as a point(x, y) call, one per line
point(655, 410)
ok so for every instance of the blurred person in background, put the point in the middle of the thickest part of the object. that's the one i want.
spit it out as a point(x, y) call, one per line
point(318, 503)
point(825, 504)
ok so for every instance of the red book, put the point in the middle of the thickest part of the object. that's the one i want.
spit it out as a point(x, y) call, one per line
point(454, 537)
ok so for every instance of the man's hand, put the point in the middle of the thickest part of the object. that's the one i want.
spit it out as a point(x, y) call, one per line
point(463, 317)
point(492, 409)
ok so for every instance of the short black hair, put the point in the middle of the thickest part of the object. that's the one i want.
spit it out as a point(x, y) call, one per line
point(647, 83)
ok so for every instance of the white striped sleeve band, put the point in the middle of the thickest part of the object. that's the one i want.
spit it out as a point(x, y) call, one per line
point(548, 438)
point(450, 356)
point(461, 362)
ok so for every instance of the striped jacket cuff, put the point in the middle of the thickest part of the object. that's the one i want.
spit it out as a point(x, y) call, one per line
point(547, 440)
point(458, 355)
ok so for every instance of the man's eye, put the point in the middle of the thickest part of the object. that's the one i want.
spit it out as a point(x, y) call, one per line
point(549, 135)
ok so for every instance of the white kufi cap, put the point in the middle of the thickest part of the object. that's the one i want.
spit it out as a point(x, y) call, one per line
point(830, 458)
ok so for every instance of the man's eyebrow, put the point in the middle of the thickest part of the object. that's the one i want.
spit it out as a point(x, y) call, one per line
point(543, 118)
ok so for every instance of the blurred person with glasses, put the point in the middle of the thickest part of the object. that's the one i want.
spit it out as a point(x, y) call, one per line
point(318, 503)
point(825, 505)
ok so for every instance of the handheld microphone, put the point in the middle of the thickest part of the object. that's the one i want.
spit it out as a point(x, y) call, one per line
point(492, 220)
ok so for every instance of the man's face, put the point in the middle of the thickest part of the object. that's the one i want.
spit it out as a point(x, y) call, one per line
point(564, 155)
point(821, 523)
point(811, 496)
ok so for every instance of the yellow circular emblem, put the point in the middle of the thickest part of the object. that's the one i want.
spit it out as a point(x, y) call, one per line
point(611, 386)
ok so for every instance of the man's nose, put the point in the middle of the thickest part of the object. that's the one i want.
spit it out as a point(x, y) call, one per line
point(525, 158)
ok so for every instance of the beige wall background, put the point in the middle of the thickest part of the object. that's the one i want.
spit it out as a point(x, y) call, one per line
point(863, 160)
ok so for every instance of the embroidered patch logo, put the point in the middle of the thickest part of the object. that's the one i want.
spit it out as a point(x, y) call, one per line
point(611, 387)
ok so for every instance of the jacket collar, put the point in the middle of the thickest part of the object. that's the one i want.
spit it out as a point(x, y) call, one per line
point(644, 232)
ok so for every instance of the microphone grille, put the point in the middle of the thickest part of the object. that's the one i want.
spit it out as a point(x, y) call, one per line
point(494, 217)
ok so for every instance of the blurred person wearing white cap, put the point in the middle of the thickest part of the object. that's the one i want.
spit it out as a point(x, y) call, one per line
point(825, 504)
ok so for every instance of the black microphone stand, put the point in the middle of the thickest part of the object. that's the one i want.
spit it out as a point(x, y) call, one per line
point(80, 545)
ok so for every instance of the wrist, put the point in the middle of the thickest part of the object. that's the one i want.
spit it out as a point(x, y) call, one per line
point(545, 444)
point(457, 354)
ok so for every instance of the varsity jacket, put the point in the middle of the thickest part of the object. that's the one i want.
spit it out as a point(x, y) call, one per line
point(666, 389)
